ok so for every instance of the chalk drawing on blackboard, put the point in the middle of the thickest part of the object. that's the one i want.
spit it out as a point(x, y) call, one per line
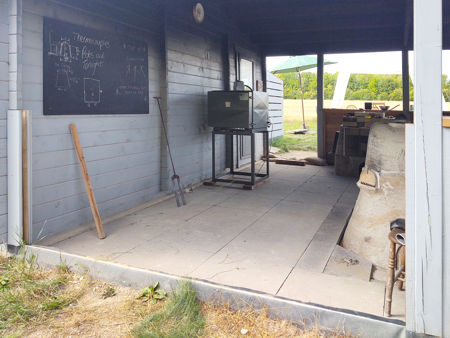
point(135, 74)
point(62, 80)
point(63, 49)
point(53, 46)
point(65, 53)
point(75, 52)
point(86, 71)
point(92, 91)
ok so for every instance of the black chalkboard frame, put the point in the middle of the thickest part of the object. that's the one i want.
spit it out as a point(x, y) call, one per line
point(93, 72)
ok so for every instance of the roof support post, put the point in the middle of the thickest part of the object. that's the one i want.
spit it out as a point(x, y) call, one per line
point(427, 226)
point(264, 72)
point(14, 125)
point(320, 126)
point(405, 80)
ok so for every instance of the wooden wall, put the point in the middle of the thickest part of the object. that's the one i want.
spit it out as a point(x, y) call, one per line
point(332, 122)
point(194, 65)
point(3, 111)
point(198, 62)
point(125, 157)
point(275, 91)
point(122, 151)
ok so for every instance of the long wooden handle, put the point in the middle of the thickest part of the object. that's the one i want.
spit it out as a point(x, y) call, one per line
point(87, 181)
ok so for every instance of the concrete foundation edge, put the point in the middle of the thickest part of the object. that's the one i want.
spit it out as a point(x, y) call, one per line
point(302, 314)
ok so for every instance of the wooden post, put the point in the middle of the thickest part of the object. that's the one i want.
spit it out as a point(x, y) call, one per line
point(390, 279)
point(428, 208)
point(264, 72)
point(405, 79)
point(320, 124)
point(87, 182)
point(301, 94)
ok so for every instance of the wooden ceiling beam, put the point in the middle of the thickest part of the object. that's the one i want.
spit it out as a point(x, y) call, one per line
point(332, 40)
point(408, 22)
point(314, 25)
point(334, 47)
point(320, 21)
point(246, 11)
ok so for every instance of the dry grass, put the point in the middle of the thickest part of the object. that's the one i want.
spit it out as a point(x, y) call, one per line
point(222, 321)
point(37, 302)
point(29, 295)
point(96, 316)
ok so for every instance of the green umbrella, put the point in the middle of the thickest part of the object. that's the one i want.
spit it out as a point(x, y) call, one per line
point(298, 64)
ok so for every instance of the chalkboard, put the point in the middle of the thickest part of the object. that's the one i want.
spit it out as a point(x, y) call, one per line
point(87, 71)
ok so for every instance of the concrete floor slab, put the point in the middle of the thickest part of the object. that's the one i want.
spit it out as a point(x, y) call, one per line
point(321, 247)
point(276, 188)
point(303, 314)
point(324, 186)
point(207, 195)
point(252, 239)
point(302, 196)
point(341, 292)
point(164, 256)
point(167, 213)
point(256, 202)
point(267, 245)
point(303, 213)
point(346, 263)
point(297, 175)
point(88, 244)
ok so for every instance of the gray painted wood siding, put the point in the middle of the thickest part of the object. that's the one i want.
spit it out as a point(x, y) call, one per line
point(275, 91)
point(122, 151)
point(194, 65)
point(3, 111)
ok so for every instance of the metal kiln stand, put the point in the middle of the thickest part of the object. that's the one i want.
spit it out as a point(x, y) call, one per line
point(256, 178)
point(239, 112)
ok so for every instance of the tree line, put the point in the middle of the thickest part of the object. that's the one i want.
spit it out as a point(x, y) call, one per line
point(360, 86)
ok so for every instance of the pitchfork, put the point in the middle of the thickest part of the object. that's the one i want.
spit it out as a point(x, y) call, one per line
point(178, 192)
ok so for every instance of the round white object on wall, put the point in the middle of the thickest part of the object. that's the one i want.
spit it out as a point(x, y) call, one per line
point(199, 12)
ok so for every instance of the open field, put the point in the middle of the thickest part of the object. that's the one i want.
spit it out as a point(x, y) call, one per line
point(304, 142)
point(38, 302)
point(293, 111)
point(292, 115)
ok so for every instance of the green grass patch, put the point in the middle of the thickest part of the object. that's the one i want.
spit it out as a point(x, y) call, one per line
point(304, 142)
point(181, 317)
point(28, 293)
point(292, 125)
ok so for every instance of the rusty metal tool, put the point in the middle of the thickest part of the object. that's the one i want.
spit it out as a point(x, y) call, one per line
point(177, 187)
